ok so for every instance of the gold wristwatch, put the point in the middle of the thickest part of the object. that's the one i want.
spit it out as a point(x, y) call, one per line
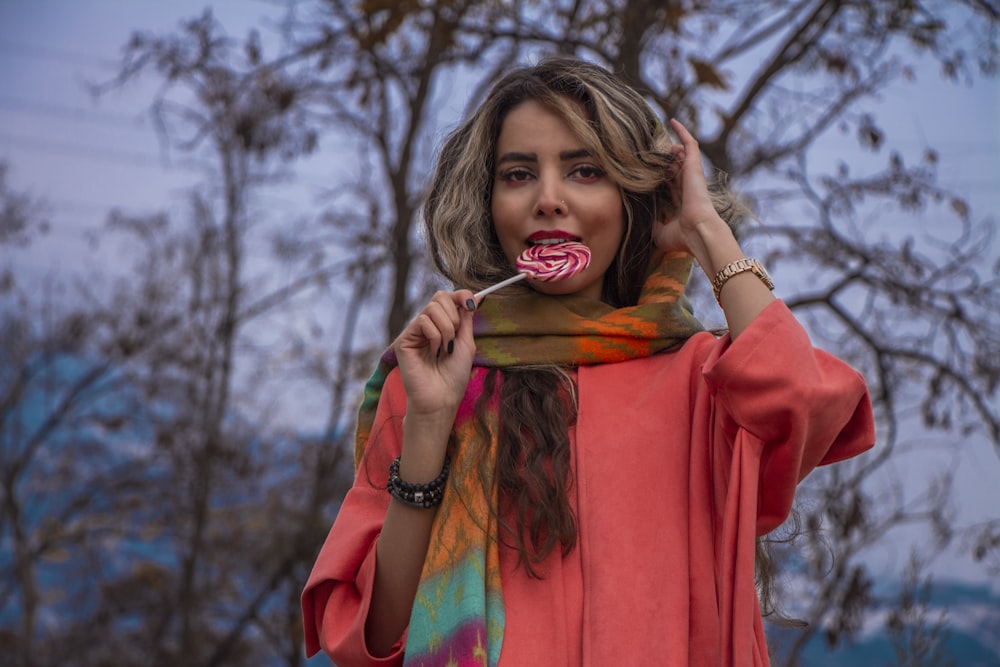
point(736, 268)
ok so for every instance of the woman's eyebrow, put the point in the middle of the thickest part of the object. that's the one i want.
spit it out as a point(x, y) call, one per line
point(515, 156)
point(575, 154)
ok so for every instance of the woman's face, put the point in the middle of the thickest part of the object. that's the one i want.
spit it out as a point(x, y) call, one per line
point(547, 186)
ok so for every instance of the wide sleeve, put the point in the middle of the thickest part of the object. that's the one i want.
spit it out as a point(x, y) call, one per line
point(338, 593)
point(800, 406)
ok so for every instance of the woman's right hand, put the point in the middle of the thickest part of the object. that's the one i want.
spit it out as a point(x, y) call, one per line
point(435, 353)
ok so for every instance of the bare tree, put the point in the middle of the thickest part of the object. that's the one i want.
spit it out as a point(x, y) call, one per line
point(917, 639)
point(74, 482)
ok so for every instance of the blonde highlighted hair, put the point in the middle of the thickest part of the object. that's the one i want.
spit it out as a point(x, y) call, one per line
point(612, 121)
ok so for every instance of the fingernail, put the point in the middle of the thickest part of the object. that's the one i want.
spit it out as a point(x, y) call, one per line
point(451, 346)
point(470, 304)
point(438, 354)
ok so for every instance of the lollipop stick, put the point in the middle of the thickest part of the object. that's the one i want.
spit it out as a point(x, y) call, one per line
point(503, 283)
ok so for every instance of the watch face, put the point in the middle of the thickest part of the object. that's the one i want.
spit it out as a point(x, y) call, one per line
point(764, 275)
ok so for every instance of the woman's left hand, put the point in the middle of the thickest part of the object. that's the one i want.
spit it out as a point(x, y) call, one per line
point(692, 201)
point(697, 229)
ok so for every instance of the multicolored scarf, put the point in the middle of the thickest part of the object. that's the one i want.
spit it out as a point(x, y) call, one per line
point(458, 614)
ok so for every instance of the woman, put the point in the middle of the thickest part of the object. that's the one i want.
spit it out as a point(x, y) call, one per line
point(582, 471)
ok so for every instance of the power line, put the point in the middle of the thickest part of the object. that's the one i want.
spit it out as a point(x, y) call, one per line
point(35, 52)
point(107, 118)
point(79, 207)
point(130, 158)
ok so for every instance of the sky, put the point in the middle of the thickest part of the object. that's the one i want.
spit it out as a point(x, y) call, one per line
point(84, 157)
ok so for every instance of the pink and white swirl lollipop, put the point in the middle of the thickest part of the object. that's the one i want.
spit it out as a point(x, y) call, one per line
point(547, 262)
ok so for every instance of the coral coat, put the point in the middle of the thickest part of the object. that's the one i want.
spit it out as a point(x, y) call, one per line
point(681, 460)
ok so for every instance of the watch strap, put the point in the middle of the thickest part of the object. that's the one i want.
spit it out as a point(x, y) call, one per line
point(737, 267)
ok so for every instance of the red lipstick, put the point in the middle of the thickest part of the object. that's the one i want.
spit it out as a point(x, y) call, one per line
point(551, 236)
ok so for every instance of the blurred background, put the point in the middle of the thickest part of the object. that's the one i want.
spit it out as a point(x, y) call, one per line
point(208, 232)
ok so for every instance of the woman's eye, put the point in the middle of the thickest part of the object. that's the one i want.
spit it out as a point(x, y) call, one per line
point(588, 172)
point(516, 175)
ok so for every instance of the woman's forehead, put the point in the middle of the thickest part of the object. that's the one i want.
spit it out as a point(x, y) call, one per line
point(570, 111)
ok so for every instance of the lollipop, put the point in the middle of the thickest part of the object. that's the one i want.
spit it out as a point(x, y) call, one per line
point(554, 261)
point(547, 262)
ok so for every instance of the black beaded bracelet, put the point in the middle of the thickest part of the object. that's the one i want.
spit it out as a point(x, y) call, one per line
point(417, 495)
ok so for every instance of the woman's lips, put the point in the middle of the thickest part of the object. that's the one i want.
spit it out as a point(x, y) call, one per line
point(551, 237)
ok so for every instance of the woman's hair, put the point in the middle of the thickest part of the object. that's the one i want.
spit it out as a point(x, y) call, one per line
point(614, 123)
point(537, 404)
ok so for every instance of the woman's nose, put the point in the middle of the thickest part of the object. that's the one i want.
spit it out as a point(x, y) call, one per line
point(550, 202)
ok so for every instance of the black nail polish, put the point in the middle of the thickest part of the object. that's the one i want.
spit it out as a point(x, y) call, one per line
point(438, 353)
point(470, 304)
point(451, 346)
